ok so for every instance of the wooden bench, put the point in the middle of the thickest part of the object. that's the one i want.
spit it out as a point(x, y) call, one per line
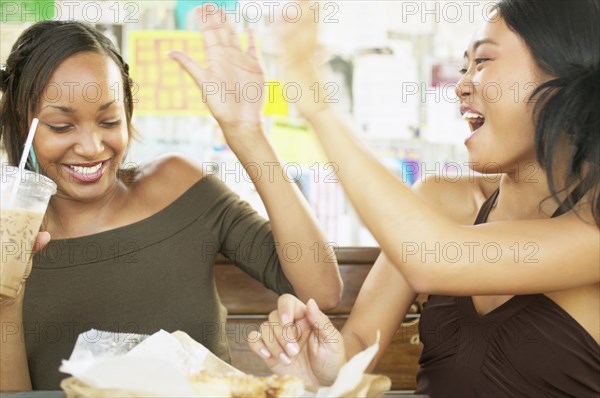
point(249, 303)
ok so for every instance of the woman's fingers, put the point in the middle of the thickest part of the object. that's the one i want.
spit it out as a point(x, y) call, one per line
point(314, 313)
point(298, 37)
point(41, 240)
point(216, 32)
point(256, 343)
point(320, 324)
point(191, 66)
point(251, 44)
point(269, 344)
point(285, 337)
point(290, 308)
point(277, 342)
point(215, 28)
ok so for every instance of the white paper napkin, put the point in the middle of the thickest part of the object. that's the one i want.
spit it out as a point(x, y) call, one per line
point(159, 365)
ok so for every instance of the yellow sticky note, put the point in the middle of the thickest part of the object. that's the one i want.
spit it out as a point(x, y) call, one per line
point(296, 142)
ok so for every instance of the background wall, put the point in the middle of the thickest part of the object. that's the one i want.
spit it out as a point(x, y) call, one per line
point(391, 66)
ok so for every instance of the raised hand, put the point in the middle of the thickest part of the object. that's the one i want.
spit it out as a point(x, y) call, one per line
point(300, 340)
point(299, 50)
point(229, 70)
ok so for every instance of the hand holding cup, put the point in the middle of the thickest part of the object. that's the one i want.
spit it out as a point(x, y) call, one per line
point(25, 196)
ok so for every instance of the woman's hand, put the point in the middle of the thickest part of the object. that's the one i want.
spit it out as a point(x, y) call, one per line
point(299, 51)
point(300, 340)
point(231, 74)
point(231, 69)
point(41, 240)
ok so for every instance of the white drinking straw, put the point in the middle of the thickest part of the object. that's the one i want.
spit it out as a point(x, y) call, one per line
point(28, 143)
point(23, 161)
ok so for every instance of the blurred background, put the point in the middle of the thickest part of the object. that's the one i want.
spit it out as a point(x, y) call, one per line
point(391, 66)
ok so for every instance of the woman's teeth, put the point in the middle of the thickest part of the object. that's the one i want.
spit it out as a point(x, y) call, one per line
point(86, 170)
point(471, 115)
point(475, 120)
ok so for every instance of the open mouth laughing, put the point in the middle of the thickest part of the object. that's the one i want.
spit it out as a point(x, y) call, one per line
point(472, 116)
point(475, 120)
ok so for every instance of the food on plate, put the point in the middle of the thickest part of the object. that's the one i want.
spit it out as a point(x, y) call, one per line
point(242, 385)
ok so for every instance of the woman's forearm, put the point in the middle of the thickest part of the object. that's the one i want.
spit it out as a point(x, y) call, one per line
point(307, 259)
point(408, 229)
point(14, 372)
point(375, 191)
point(382, 304)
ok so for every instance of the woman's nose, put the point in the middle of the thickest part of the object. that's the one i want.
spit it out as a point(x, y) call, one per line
point(89, 145)
point(464, 86)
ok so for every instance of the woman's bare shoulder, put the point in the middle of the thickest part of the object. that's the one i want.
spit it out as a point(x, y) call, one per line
point(458, 197)
point(163, 180)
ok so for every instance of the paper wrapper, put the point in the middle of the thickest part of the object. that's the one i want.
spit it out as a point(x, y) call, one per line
point(125, 365)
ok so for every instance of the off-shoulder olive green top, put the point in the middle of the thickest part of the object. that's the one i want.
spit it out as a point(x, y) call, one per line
point(154, 274)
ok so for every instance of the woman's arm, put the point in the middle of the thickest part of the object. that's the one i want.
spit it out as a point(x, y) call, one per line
point(382, 304)
point(14, 371)
point(383, 300)
point(434, 253)
point(313, 272)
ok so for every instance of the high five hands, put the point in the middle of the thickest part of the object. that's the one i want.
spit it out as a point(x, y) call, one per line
point(229, 69)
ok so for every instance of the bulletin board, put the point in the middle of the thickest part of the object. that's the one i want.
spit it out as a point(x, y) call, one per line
point(162, 87)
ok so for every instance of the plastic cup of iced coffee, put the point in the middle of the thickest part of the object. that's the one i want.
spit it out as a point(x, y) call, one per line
point(24, 199)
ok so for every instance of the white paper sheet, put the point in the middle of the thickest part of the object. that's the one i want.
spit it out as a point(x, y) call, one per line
point(159, 365)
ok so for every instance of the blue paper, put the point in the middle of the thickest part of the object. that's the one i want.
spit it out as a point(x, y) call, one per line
point(183, 7)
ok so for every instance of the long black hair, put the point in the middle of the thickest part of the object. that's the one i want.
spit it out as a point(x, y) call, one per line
point(33, 58)
point(564, 38)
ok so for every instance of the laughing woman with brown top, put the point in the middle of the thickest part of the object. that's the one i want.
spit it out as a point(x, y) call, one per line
point(514, 305)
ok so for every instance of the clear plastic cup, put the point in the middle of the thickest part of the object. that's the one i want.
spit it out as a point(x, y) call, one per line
point(24, 199)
